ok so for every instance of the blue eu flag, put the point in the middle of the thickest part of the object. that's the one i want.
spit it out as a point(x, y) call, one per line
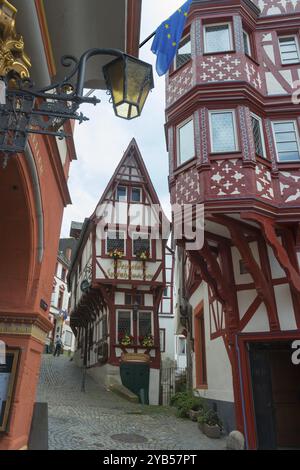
point(167, 38)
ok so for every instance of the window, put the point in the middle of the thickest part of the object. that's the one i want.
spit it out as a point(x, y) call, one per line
point(136, 194)
point(184, 52)
point(145, 323)
point(247, 43)
point(287, 141)
point(63, 274)
point(218, 38)
point(166, 292)
point(115, 241)
point(162, 339)
point(289, 49)
point(124, 323)
point(130, 299)
point(181, 346)
point(121, 194)
point(186, 142)
point(258, 134)
point(223, 131)
point(141, 244)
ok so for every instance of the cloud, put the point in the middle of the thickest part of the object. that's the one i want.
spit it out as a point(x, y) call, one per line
point(101, 142)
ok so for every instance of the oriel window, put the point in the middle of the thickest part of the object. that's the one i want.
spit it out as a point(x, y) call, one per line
point(289, 49)
point(258, 134)
point(218, 38)
point(184, 52)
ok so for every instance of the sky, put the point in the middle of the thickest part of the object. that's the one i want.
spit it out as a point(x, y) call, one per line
point(102, 141)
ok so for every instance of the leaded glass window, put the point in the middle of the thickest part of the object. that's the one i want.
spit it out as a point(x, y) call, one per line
point(258, 136)
point(247, 44)
point(145, 323)
point(184, 52)
point(218, 38)
point(115, 241)
point(124, 322)
point(141, 244)
point(289, 50)
point(223, 135)
point(287, 141)
point(121, 194)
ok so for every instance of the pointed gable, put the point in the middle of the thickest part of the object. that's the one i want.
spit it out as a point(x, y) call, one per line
point(130, 171)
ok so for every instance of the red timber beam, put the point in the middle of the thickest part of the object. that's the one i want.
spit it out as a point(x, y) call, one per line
point(281, 254)
point(262, 282)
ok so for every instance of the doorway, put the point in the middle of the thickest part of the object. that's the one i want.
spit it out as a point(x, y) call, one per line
point(276, 395)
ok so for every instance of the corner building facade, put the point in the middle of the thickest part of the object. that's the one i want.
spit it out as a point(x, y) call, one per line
point(233, 141)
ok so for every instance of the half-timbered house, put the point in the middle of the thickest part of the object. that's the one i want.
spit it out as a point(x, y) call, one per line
point(233, 139)
point(117, 281)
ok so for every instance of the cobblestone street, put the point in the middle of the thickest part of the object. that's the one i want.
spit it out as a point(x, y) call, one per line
point(98, 419)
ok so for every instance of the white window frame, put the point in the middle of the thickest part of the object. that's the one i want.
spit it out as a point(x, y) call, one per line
point(131, 320)
point(182, 124)
point(284, 121)
point(223, 111)
point(138, 321)
point(175, 58)
point(126, 197)
point(248, 43)
point(259, 119)
point(297, 47)
point(119, 231)
point(227, 23)
point(141, 195)
point(139, 234)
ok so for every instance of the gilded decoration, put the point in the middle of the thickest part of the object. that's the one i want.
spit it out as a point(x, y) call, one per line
point(12, 54)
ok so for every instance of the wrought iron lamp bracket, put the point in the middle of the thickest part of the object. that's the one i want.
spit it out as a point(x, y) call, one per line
point(25, 110)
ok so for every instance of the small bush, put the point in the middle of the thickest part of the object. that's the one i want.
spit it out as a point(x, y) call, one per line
point(210, 417)
point(186, 401)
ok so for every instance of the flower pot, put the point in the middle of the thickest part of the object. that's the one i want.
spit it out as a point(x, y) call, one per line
point(214, 432)
point(194, 415)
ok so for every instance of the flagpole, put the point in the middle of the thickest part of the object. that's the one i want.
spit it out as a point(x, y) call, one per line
point(147, 39)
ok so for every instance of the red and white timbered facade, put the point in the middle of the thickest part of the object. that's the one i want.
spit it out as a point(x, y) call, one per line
point(233, 126)
point(118, 276)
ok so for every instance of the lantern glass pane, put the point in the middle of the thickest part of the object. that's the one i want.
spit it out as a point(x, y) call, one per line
point(115, 73)
point(134, 112)
point(136, 74)
point(122, 110)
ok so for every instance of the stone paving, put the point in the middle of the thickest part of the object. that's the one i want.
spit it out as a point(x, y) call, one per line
point(99, 419)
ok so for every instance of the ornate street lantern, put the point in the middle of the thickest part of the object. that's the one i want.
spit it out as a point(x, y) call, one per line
point(129, 82)
point(25, 109)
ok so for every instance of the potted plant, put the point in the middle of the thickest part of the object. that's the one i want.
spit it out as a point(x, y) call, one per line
point(196, 410)
point(210, 423)
point(116, 254)
point(147, 341)
point(143, 255)
point(125, 339)
point(187, 405)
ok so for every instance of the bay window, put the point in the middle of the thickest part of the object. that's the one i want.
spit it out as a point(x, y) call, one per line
point(186, 141)
point(287, 141)
point(218, 38)
point(223, 131)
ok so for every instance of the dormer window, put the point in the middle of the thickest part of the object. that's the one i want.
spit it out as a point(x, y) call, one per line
point(289, 49)
point(121, 194)
point(184, 52)
point(218, 38)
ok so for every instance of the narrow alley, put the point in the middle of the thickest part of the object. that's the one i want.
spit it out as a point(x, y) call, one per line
point(99, 419)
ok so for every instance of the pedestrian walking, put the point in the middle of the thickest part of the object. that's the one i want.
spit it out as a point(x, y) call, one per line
point(58, 346)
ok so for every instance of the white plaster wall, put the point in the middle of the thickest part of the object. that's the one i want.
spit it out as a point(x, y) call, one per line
point(154, 387)
point(276, 269)
point(148, 300)
point(245, 299)
point(62, 149)
point(219, 373)
point(259, 322)
point(236, 257)
point(285, 307)
point(168, 323)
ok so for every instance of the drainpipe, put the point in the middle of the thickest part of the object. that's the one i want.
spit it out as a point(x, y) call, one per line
point(242, 390)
